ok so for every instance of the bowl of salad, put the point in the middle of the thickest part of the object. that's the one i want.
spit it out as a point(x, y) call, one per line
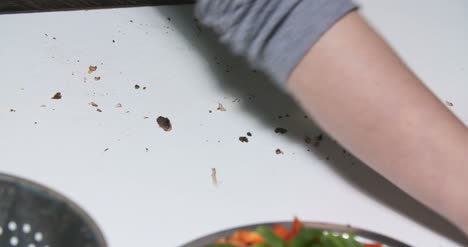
point(295, 234)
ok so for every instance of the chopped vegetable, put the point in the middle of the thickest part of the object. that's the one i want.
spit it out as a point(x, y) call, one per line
point(297, 236)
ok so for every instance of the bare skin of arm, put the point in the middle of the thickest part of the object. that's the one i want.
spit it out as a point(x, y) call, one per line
point(359, 91)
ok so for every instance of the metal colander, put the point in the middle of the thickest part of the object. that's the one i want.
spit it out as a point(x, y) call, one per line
point(32, 215)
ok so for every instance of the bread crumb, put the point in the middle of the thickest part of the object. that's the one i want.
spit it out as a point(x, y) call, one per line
point(164, 123)
point(278, 151)
point(448, 103)
point(97, 78)
point(93, 104)
point(243, 139)
point(221, 107)
point(281, 130)
point(91, 69)
point(57, 95)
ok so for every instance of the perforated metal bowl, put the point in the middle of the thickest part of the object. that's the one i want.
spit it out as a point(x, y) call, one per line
point(32, 215)
point(362, 235)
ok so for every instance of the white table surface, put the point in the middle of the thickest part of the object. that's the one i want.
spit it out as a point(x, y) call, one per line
point(165, 196)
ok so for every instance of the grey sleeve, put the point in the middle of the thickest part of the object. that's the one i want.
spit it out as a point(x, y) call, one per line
point(273, 34)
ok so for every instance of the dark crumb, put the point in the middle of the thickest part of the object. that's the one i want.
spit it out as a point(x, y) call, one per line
point(214, 179)
point(12, 110)
point(254, 71)
point(113, 41)
point(164, 123)
point(93, 104)
point(210, 111)
point(249, 134)
point(344, 151)
point(54, 38)
point(278, 151)
point(144, 88)
point(280, 117)
point(137, 86)
point(308, 150)
point(91, 69)
point(352, 163)
point(98, 110)
point(131, 20)
point(145, 117)
point(448, 103)
point(307, 139)
point(118, 105)
point(147, 149)
point(327, 158)
point(319, 137)
point(97, 78)
point(169, 18)
point(236, 100)
point(243, 139)
point(35, 122)
point(46, 35)
point(105, 150)
point(57, 95)
point(281, 130)
point(287, 115)
point(219, 141)
point(221, 107)
point(305, 116)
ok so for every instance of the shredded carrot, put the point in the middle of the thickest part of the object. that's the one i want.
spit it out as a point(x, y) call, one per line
point(297, 226)
point(280, 231)
point(372, 245)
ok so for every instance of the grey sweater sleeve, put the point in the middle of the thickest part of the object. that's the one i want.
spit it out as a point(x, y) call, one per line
point(273, 34)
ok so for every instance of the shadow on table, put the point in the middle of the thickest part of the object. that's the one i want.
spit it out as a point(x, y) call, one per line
point(267, 102)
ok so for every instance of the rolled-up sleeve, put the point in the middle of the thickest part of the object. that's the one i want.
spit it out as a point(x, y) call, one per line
point(273, 34)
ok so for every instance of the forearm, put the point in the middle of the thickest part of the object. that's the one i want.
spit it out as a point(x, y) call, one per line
point(359, 91)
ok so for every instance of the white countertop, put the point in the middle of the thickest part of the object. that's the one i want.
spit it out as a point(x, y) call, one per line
point(165, 196)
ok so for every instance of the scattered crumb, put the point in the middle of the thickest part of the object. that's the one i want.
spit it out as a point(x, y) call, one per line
point(281, 130)
point(214, 179)
point(287, 115)
point(35, 122)
point(93, 104)
point(448, 103)
point(144, 88)
point(105, 150)
point(169, 18)
point(92, 69)
point(145, 117)
point(12, 110)
point(113, 41)
point(118, 105)
point(97, 78)
point(210, 111)
point(164, 123)
point(131, 21)
point(278, 151)
point(305, 116)
point(221, 107)
point(249, 134)
point(84, 79)
point(307, 139)
point(236, 100)
point(57, 95)
point(137, 86)
point(318, 139)
point(243, 139)
point(98, 110)
point(146, 149)
point(327, 158)
point(280, 117)
point(54, 38)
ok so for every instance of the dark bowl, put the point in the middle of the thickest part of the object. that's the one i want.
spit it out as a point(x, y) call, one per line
point(362, 235)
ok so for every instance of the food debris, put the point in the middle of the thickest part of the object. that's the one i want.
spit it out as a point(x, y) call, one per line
point(147, 149)
point(113, 41)
point(105, 150)
point(169, 18)
point(118, 105)
point(327, 158)
point(84, 79)
point(210, 111)
point(93, 104)
point(214, 179)
point(281, 130)
point(318, 139)
point(35, 122)
point(97, 78)
point(307, 139)
point(249, 134)
point(131, 20)
point(164, 123)
point(144, 88)
point(57, 95)
point(98, 110)
point(236, 100)
point(243, 139)
point(221, 107)
point(448, 103)
point(137, 86)
point(278, 151)
point(91, 69)
point(12, 110)
point(145, 117)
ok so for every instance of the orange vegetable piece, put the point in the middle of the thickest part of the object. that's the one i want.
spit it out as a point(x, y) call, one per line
point(372, 245)
point(248, 237)
point(297, 226)
point(280, 231)
point(236, 242)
